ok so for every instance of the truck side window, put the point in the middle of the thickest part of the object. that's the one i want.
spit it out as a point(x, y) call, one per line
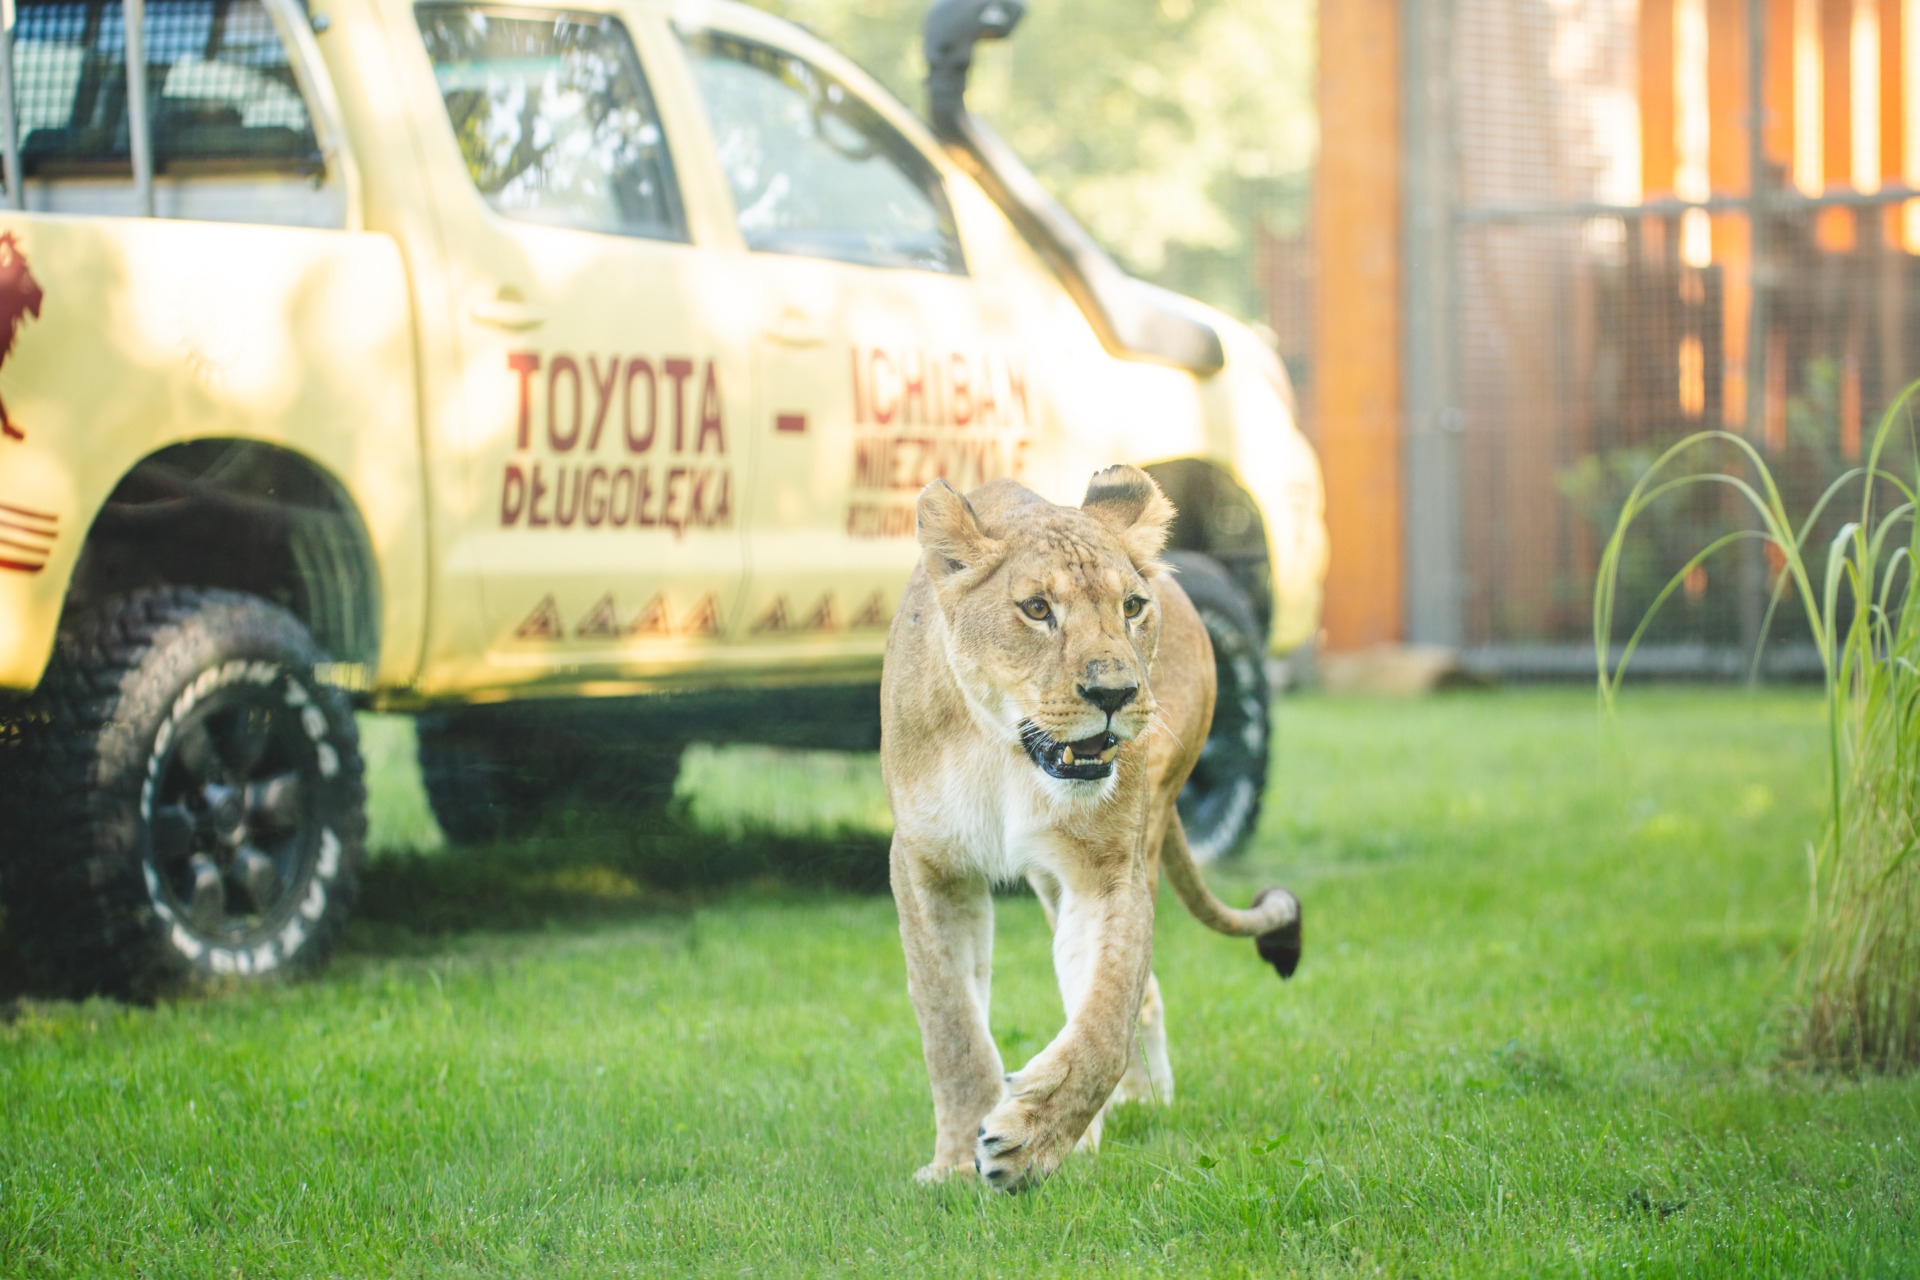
point(554, 119)
point(815, 171)
point(224, 97)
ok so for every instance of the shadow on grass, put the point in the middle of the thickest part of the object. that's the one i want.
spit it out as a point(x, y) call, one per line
point(587, 868)
point(580, 869)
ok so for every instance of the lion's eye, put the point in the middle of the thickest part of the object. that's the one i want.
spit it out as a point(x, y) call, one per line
point(1036, 609)
point(1133, 606)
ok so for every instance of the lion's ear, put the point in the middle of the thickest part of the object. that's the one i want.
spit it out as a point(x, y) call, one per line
point(1127, 501)
point(950, 534)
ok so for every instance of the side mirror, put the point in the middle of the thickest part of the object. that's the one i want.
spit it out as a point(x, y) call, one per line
point(952, 28)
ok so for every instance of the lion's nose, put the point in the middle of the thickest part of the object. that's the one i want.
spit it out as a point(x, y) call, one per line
point(1109, 697)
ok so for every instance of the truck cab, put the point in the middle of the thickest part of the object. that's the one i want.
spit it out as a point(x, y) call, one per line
point(522, 365)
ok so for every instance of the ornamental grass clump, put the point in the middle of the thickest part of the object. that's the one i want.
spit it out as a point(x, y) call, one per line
point(1860, 959)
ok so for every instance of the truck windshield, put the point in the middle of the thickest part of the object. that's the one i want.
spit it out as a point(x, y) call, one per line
point(554, 119)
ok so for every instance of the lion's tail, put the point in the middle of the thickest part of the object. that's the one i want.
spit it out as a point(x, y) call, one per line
point(1273, 921)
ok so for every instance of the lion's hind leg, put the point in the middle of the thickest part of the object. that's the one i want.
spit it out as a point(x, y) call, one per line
point(1149, 1076)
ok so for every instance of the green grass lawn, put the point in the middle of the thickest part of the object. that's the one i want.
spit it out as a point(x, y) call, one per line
point(1542, 1028)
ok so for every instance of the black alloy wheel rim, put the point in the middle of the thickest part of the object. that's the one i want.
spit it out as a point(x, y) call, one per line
point(1225, 782)
point(232, 829)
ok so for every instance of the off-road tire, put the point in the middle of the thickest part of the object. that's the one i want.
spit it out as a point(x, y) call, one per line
point(1220, 804)
point(191, 799)
point(506, 772)
point(469, 788)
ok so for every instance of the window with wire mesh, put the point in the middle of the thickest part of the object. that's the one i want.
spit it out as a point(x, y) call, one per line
point(221, 95)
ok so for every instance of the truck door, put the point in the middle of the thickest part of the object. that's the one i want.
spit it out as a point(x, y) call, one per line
point(876, 366)
point(603, 401)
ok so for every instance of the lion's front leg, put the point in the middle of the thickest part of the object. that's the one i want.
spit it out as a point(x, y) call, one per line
point(1103, 951)
point(1149, 1073)
point(946, 931)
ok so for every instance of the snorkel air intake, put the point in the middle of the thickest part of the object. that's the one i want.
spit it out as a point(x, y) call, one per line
point(1134, 320)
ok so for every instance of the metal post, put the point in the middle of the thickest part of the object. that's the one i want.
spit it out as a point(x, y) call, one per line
point(9, 125)
point(1752, 579)
point(139, 134)
point(1435, 580)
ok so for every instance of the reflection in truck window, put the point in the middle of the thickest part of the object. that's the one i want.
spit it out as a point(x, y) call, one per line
point(224, 97)
point(554, 119)
point(815, 171)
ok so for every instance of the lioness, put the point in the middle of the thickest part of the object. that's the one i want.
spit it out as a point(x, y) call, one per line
point(1048, 687)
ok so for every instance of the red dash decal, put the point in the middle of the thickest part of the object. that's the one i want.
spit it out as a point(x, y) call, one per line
point(21, 566)
point(790, 422)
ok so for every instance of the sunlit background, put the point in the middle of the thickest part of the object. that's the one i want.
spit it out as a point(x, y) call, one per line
point(1541, 258)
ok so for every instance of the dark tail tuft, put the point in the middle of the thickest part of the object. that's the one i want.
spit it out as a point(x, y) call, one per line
point(1281, 947)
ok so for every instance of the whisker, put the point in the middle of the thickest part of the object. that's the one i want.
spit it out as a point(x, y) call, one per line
point(1159, 722)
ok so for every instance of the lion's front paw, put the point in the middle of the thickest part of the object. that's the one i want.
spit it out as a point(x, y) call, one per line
point(1017, 1148)
point(928, 1175)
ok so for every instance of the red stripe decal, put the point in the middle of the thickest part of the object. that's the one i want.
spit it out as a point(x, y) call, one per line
point(31, 515)
point(21, 565)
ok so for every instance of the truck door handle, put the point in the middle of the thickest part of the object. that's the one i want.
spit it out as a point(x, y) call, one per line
point(795, 328)
point(508, 313)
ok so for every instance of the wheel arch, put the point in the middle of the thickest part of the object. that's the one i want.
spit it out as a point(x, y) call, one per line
point(1218, 517)
point(247, 516)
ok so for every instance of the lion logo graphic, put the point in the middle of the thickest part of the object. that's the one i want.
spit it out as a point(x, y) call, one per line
point(20, 297)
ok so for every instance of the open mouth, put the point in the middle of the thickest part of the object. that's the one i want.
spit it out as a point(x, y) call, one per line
point(1087, 760)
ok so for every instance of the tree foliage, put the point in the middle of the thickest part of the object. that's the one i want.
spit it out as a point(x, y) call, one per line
point(1171, 129)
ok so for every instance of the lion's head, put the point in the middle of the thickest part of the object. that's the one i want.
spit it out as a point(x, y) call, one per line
point(1051, 617)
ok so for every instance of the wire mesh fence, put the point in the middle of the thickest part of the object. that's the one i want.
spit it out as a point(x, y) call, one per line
point(1611, 280)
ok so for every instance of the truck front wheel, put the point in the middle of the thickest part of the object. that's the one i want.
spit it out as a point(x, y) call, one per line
point(193, 798)
point(1221, 802)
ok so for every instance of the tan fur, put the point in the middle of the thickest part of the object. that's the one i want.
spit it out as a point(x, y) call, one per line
point(965, 669)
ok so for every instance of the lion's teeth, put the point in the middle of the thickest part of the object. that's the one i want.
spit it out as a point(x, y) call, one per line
point(1106, 757)
point(1066, 755)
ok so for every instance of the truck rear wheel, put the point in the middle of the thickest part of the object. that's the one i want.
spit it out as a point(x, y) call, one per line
point(505, 772)
point(473, 793)
point(193, 799)
point(1220, 804)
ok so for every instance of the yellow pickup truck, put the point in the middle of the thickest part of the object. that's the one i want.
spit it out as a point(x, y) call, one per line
point(563, 374)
